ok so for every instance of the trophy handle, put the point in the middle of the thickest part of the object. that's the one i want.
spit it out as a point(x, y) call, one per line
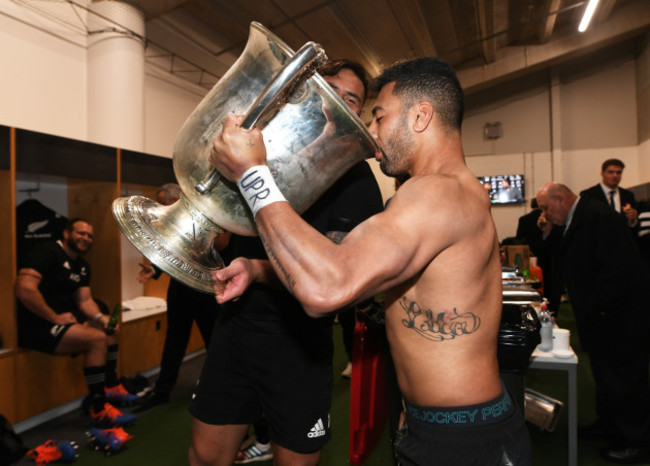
point(301, 65)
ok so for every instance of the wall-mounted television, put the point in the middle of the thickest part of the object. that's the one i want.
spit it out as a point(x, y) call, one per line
point(505, 189)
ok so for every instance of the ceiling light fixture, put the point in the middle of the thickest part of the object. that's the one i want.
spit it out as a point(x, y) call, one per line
point(589, 12)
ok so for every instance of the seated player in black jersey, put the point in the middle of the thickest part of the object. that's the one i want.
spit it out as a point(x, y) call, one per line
point(58, 315)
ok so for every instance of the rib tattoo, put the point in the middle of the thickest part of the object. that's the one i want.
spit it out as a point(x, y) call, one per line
point(438, 326)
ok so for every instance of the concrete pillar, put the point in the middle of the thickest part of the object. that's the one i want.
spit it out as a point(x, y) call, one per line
point(643, 106)
point(116, 74)
point(557, 165)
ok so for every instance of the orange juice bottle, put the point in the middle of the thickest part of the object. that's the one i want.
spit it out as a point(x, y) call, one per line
point(536, 272)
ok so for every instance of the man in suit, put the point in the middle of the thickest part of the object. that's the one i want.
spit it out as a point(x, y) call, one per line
point(607, 282)
point(609, 192)
point(542, 236)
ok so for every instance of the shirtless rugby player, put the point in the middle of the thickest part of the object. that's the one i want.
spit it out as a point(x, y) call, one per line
point(433, 251)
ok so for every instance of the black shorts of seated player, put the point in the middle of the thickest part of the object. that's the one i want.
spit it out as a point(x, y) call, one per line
point(43, 336)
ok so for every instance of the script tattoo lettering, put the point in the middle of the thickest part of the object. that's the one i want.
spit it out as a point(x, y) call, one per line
point(438, 326)
point(291, 282)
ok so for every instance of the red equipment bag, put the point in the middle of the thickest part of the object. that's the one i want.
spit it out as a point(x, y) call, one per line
point(368, 401)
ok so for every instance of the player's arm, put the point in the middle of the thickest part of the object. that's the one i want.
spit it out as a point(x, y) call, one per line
point(381, 252)
point(29, 295)
point(146, 273)
point(323, 275)
point(232, 282)
point(387, 249)
point(86, 304)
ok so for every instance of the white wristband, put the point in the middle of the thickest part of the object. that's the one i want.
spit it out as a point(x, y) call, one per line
point(97, 317)
point(258, 188)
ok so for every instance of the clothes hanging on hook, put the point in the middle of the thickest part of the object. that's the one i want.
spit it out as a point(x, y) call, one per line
point(29, 191)
point(36, 223)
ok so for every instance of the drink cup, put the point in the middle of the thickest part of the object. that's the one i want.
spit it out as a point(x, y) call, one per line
point(561, 339)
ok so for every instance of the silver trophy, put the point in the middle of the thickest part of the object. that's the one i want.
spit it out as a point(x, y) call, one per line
point(312, 138)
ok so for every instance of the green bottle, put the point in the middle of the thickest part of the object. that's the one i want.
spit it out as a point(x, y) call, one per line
point(114, 320)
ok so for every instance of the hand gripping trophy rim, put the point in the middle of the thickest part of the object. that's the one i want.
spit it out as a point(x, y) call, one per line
point(300, 67)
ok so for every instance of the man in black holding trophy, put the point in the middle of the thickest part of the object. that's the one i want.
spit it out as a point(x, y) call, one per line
point(266, 355)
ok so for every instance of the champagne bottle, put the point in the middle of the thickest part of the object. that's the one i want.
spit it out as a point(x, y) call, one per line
point(114, 320)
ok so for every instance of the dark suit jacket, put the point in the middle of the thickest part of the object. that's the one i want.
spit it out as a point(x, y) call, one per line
point(527, 230)
point(596, 193)
point(544, 250)
point(606, 279)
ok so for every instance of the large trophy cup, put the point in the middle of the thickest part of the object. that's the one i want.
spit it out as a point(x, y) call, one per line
point(311, 136)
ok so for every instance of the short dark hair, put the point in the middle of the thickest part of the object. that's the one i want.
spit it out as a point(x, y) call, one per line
point(430, 79)
point(609, 162)
point(70, 225)
point(332, 68)
point(171, 191)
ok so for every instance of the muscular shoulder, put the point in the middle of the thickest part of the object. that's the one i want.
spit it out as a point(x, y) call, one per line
point(43, 255)
point(454, 200)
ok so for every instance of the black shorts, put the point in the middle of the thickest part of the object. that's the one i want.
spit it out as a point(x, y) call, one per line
point(41, 335)
point(285, 375)
point(487, 434)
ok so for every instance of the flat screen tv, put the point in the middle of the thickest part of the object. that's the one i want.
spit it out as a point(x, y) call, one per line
point(504, 189)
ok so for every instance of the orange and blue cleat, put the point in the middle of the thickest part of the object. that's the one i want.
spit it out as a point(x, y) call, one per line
point(110, 416)
point(119, 396)
point(52, 450)
point(110, 441)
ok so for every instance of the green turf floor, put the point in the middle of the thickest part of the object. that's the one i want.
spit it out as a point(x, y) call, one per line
point(162, 435)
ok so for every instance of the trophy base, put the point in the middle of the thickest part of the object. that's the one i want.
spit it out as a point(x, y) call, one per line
point(178, 239)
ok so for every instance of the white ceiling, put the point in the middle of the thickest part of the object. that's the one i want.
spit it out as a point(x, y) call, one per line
point(487, 41)
point(492, 44)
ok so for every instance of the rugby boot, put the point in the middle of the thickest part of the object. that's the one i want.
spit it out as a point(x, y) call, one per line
point(110, 416)
point(52, 450)
point(109, 441)
point(119, 396)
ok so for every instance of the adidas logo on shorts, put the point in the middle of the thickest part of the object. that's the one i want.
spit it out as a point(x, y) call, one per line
point(56, 329)
point(318, 430)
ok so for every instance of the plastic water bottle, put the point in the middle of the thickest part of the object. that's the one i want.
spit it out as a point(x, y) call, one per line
point(114, 320)
point(546, 332)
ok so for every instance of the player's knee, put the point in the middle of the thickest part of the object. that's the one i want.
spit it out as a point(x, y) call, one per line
point(199, 456)
point(97, 340)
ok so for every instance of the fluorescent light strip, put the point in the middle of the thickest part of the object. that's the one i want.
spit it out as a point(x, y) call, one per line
point(589, 12)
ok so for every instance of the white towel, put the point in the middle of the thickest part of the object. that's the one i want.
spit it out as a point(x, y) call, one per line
point(144, 303)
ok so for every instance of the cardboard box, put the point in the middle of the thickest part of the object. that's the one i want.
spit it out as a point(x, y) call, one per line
point(518, 256)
